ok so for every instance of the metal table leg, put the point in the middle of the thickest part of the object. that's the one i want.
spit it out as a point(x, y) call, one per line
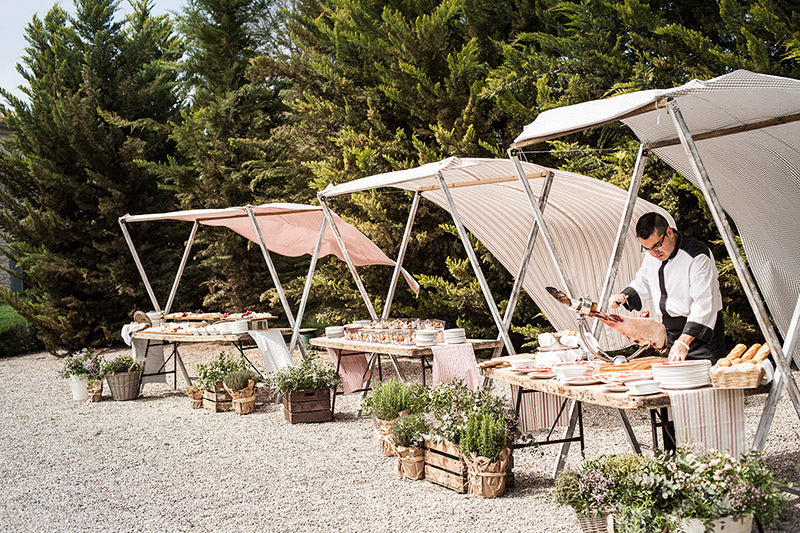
point(629, 430)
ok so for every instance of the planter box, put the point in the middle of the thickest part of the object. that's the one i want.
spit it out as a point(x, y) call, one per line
point(217, 399)
point(445, 466)
point(307, 406)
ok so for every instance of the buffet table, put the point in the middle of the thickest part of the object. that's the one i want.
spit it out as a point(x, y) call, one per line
point(159, 338)
point(656, 404)
point(392, 350)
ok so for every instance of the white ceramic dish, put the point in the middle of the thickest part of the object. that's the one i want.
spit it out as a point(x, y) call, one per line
point(641, 388)
point(565, 371)
point(519, 363)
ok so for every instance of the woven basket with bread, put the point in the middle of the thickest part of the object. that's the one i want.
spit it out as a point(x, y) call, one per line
point(741, 368)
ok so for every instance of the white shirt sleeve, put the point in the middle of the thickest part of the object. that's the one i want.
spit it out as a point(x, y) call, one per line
point(703, 309)
point(641, 286)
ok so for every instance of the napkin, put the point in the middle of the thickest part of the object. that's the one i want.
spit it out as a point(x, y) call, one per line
point(354, 368)
point(456, 361)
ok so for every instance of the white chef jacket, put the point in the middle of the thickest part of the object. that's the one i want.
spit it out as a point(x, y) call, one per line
point(682, 287)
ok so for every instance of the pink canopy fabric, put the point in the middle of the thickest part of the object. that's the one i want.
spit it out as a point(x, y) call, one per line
point(288, 229)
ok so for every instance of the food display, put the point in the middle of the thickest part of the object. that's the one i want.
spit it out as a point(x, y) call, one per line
point(391, 331)
point(201, 316)
point(742, 368)
point(624, 376)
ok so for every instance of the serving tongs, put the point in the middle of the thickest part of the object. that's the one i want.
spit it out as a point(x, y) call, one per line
point(585, 307)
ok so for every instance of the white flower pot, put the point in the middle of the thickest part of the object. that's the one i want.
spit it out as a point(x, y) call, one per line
point(78, 386)
point(726, 524)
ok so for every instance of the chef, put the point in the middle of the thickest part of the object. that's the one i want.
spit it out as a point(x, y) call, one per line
point(679, 276)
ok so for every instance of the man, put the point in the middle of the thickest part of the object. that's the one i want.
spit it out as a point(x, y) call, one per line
point(679, 276)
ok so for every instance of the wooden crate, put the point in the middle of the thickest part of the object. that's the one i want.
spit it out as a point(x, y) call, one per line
point(307, 406)
point(217, 398)
point(217, 401)
point(445, 466)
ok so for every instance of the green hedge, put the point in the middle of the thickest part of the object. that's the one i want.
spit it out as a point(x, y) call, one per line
point(16, 336)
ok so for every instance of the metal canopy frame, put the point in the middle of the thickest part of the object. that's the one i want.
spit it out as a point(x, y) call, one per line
point(781, 353)
point(294, 322)
point(503, 323)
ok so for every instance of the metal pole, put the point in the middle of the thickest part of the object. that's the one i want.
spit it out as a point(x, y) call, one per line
point(473, 259)
point(400, 256)
point(564, 448)
point(139, 266)
point(181, 267)
point(513, 299)
point(360, 284)
point(307, 287)
point(748, 283)
point(775, 390)
point(622, 231)
point(548, 239)
point(274, 273)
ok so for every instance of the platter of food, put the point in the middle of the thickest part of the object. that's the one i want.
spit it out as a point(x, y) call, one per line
point(541, 375)
point(582, 380)
point(624, 376)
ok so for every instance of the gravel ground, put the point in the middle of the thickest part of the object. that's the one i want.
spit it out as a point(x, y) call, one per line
point(155, 464)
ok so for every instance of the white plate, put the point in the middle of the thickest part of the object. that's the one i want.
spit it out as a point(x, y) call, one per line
point(629, 393)
point(686, 387)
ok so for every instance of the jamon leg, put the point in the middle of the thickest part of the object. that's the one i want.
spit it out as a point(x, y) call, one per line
point(642, 331)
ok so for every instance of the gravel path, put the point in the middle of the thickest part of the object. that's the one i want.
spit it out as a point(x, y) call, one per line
point(155, 464)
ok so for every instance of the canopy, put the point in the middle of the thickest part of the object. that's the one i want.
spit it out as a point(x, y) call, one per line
point(288, 229)
point(747, 132)
point(581, 213)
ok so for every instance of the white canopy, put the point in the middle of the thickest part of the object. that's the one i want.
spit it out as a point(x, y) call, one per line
point(582, 214)
point(747, 132)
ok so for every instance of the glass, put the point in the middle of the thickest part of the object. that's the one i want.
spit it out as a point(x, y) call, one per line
point(656, 246)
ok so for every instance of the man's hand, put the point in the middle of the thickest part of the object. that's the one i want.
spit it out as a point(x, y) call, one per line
point(618, 299)
point(680, 349)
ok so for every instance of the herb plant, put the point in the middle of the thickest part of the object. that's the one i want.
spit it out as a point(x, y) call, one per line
point(123, 363)
point(310, 374)
point(409, 430)
point(392, 397)
point(84, 362)
point(209, 374)
point(239, 378)
point(485, 435)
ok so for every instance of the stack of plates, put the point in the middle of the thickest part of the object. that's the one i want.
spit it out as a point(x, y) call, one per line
point(455, 336)
point(334, 332)
point(425, 337)
point(676, 375)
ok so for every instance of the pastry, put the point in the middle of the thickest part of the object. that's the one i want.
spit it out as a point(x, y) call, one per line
point(737, 351)
point(761, 354)
point(724, 362)
point(751, 352)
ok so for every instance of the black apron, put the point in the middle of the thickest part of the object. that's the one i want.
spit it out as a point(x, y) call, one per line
point(712, 350)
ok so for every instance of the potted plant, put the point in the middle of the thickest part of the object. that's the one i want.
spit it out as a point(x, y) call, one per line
point(448, 408)
point(240, 384)
point(408, 435)
point(709, 491)
point(195, 396)
point(123, 376)
point(599, 487)
point(388, 401)
point(210, 378)
point(484, 443)
point(306, 390)
point(79, 367)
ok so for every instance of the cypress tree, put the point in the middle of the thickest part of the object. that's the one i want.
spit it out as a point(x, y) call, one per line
point(98, 90)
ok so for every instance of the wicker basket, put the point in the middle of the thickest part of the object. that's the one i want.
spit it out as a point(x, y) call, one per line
point(743, 379)
point(124, 386)
point(593, 523)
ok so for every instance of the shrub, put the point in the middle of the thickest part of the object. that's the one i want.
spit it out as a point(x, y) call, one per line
point(16, 335)
point(409, 430)
point(310, 374)
point(392, 397)
point(450, 405)
point(239, 378)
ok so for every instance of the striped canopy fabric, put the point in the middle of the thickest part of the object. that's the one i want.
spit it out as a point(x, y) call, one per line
point(754, 167)
point(582, 214)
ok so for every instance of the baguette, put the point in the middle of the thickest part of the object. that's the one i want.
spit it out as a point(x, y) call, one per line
point(761, 354)
point(724, 362)
point(737, 351)
point(751, 352)
point(736, 361)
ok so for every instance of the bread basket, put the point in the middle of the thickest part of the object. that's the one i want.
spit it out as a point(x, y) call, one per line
point(738, 379)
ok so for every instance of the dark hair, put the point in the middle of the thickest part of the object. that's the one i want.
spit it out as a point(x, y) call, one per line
point(650, 222)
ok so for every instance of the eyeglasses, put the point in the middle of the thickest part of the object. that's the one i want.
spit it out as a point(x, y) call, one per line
point(656, 246)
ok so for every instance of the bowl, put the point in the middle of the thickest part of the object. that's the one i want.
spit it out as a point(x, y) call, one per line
point(239, 326)
point(519, 363)
point(642, 387)
point(567, 370)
